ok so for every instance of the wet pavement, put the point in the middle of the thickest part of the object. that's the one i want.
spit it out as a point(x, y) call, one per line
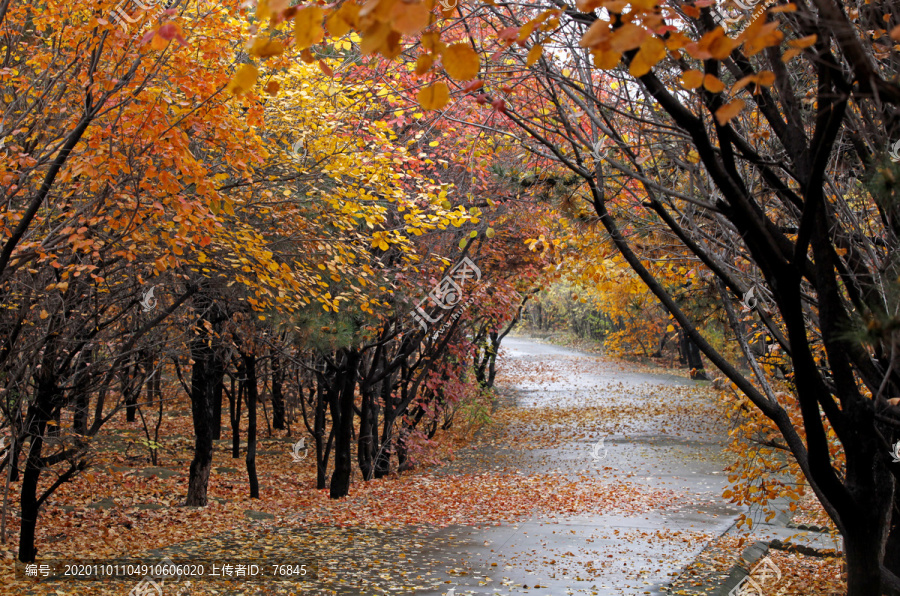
point(600, 554)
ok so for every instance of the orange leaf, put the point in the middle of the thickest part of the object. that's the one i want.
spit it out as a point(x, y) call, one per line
point(766, 78)
point(423, 64)
point(534, 54)
point(325, 68)
point(433, 97)
point(805, 42)
point(713, 84)
point(409, 19)
point(461, 62)
point(596, 34)
point(692, 79)
point(652, 51)
point(729, 111)
point(627, 37)
point(606, 60)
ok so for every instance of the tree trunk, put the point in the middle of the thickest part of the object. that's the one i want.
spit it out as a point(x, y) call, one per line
point(82, 396)
point(39, 412)
point(319, 434)
point(383, 457)
point(217, 408)
point(277, 393)
point(691, 357)
point(368, 426)
point(234, 415)
point(206, 374)
point(252, 396)
point(342, 417)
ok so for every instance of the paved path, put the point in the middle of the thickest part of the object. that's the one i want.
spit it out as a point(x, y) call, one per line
point(665, 440)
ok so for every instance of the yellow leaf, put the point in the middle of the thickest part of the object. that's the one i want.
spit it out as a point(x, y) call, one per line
point(243, 80)
point(652, 51)
point(461, 62)
point(729, 111)
point(490, 233)
point(265, 46)
point(692, 79)
point(534, 54)
point(433, 97)
point(670, 328)
point(341, 20)
point(308, 29)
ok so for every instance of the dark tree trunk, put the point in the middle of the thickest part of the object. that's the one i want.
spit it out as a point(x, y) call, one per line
point(130, 391)
point(319, 433)
point(234, 402)
point(342, 417)
point(39, 413)
point(29, 498)
point(82, 396)
point(206, 377)
point(368, 427)
point(217, 409)
point(383, 457)
point(691, 357)
point(277, 393)
point(250, 380)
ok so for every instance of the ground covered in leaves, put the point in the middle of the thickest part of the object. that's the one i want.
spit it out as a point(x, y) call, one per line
point(403, 533)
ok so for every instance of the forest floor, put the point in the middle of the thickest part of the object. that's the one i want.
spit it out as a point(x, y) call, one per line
point(593, 477)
